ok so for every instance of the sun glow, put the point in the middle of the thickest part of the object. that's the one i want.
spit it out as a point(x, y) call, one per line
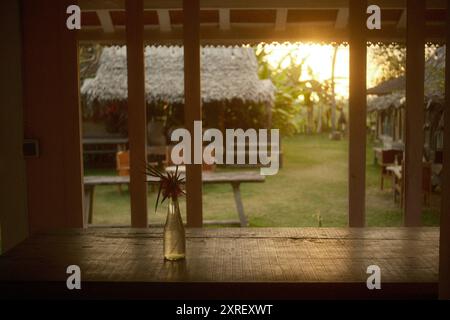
point(316, 61)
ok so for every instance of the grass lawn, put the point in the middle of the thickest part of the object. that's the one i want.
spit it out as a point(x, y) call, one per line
point(313, 182)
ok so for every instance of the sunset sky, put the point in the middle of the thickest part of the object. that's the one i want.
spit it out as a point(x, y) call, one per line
point(319, 58)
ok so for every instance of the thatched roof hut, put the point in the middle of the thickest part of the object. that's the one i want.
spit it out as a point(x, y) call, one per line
point(227, 73)
point(389, 103)
point(391, 93)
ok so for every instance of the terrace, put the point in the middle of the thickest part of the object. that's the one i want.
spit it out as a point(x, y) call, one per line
point(43, 225)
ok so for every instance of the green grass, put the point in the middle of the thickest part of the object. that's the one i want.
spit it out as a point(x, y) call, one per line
point(312, 182)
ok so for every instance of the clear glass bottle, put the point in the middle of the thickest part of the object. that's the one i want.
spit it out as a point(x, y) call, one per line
point(174, 235)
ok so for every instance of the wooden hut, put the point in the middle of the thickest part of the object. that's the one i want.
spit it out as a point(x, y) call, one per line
point(229, 77)
point(386, 108)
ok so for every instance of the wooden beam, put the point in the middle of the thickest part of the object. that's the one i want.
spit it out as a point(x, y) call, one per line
point(402, 21)
point(342, 19)
point(444, 241)
point(90, 5)
point(245, 35)
point(415, 65)
point(281, 19)
point(224, 19)
point(105, 21)
point(357, 113)
point(137, 119)
point(164, 20)
point(192, 106)
point(13, 189)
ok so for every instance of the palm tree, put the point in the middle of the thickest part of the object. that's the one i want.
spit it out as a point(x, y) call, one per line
point(333, 97)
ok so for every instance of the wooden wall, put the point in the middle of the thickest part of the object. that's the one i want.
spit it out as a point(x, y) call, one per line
point(13, 214)
point(52, 115)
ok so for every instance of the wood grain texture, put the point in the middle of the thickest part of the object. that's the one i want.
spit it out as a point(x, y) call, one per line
point(234, 263)
point(229, 255)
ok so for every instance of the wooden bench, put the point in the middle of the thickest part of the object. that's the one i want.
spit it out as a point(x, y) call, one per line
point(233, 178)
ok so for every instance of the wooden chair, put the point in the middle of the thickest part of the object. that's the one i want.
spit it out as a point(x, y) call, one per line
point(399, 185)
point(122, 165)
point(387, 158)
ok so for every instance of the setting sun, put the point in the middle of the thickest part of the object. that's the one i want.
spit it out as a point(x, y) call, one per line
point(317, 62)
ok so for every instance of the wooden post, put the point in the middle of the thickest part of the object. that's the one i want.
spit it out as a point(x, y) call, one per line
point(415, 64)
point(444, 243)
point(137, 119)
point(357, 113)
point(192, 106)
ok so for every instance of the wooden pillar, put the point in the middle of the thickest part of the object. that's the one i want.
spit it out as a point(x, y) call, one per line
point(13, 196)
point(52, 116)
point(357, 113)
point(444, 243)
point(415, 64)
point(192, 106)
point(137, 119)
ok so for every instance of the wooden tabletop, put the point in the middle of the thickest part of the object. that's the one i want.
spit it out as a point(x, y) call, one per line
point(208, 177)
point(229, 255)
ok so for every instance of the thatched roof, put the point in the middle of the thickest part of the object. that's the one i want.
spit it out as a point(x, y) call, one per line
point(227, 73)
point(391, 93)
point(379, 103)
point(388, 86)
point(434, 68)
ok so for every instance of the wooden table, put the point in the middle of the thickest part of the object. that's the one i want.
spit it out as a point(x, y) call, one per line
point(285, 263)
point(233, 178)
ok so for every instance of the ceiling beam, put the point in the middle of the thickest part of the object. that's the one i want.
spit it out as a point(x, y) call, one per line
point(93, 5)
point(224, 19)
point(402, 21)
point(342, 18)
point(281, 19)
point(245, 35)
point(164, 20)
point(105, 21)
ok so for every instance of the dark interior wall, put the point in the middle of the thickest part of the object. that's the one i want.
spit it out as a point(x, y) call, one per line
point(52, 116)
point(13, 213)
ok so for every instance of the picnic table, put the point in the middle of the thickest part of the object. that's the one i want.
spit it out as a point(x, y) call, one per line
point(233, 178)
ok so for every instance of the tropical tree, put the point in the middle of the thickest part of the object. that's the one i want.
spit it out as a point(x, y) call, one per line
point(293, 94)
point(333, 92)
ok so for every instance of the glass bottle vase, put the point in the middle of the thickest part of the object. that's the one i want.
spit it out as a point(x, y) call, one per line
point(174, 235)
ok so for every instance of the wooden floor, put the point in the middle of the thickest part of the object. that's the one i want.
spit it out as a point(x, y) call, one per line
point(227, 263)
